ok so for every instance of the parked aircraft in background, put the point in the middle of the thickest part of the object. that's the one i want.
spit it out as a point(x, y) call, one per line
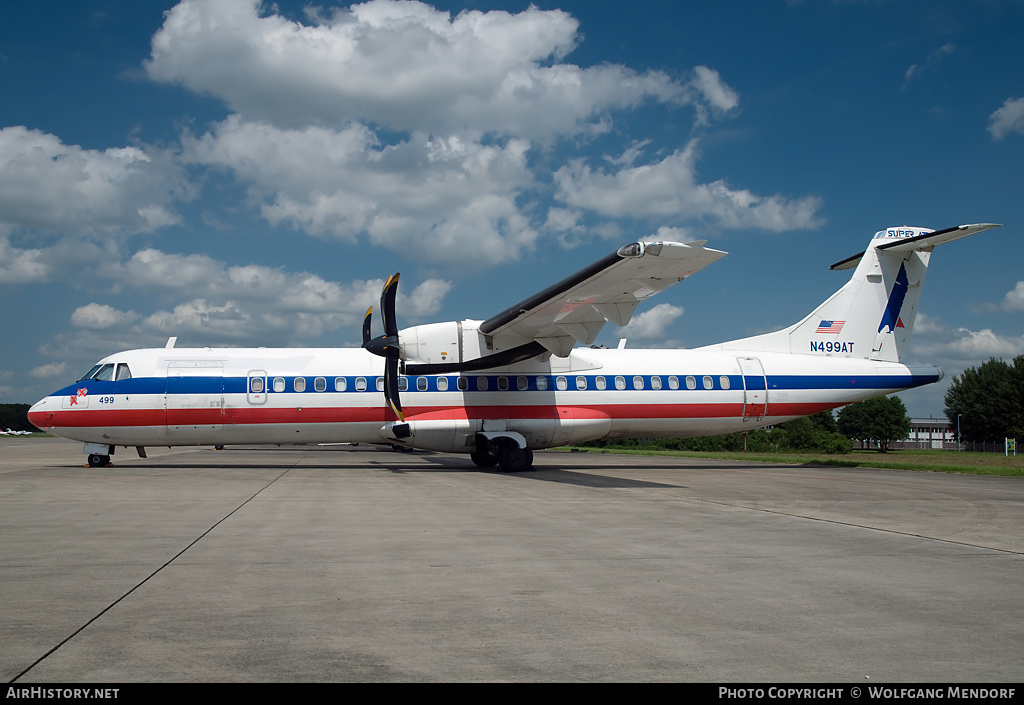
point(501, 388)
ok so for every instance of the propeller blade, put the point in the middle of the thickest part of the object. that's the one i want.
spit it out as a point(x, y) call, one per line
point(391, 386)
point(366, 326)
point(387, 305)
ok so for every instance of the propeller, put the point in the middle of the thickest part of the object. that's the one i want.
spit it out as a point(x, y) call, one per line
point(386, 345)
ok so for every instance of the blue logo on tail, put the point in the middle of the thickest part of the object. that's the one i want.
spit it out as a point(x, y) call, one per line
point(891, 317)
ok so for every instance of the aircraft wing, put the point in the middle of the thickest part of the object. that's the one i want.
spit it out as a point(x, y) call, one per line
point(575, 309)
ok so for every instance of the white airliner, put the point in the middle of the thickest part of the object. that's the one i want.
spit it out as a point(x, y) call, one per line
point(501, 388)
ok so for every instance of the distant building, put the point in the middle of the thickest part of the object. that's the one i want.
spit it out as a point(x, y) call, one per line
point(929, 433)
point(924, 433)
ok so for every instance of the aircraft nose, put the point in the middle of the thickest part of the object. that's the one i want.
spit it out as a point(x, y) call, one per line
point(39, 413)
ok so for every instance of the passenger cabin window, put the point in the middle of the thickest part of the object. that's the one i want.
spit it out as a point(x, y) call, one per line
point(421, 384)
point(403, 384)
point(638, 382)
point(673, 382)
point(340, 384)
point(380, 384)
point(542, 383)
point(655, 382)
point(599, 382)
point(123, 372)
point(691, 383)
point(503, 383)
point(481, 384)
point(708, 383)
point(522, 383)
point(620, 382)
point(299, 384)
point(724, 381)
point(360, 384)
point(442, 384)
point(463, 384)
point(278, 384)
point(561, 384)
point(320, 384)
point(257, 385)
point(581, 382)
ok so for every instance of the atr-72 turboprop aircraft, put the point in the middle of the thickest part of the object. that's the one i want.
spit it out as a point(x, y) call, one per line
point(500, 388)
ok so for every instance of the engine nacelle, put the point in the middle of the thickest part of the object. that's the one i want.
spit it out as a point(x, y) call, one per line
point(432, 343)
point(440, 343)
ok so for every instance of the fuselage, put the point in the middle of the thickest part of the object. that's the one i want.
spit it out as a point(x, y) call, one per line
point(170, 396)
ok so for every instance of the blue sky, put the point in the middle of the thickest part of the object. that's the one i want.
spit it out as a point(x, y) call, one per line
point(233, 173)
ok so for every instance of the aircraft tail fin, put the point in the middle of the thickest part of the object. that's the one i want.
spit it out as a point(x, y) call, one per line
point(873, 314)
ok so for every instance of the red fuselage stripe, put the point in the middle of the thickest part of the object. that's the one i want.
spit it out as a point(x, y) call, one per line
point(86, 418)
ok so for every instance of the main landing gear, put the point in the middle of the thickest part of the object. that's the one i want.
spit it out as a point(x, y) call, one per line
point(504, 452)
point(98, 461)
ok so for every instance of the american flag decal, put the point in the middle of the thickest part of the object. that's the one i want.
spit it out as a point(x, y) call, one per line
point(830, 327)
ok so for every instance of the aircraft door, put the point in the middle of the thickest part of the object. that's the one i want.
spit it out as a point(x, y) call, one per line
point(755, 389)
point(256, 387)
point(195, 395)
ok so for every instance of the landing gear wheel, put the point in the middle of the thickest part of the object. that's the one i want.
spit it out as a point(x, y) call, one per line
point(99, 461)
point(512, 458)
point(484, 459)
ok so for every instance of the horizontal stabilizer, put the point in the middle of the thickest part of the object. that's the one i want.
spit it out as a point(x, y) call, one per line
point(901, 242)
point(936, 237)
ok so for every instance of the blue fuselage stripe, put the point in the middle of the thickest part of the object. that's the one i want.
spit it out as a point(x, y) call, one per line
point(239, 385)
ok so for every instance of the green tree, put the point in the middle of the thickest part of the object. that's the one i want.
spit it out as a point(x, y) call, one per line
point(817, 433)
point(989, 400)
point(882, 419)
point(15, 417)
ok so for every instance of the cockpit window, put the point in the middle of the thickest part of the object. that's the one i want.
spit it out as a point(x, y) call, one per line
point(90, 373)
point(106, 373)
point(102, 373)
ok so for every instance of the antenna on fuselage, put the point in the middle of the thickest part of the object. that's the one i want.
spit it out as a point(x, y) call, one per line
point(171, 341)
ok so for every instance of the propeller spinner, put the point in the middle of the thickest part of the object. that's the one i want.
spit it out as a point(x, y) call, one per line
point(386, 345)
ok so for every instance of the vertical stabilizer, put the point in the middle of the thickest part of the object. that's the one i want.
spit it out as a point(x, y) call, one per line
point(873, 314)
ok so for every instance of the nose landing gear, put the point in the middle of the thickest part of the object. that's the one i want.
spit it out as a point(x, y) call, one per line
point(98, 461)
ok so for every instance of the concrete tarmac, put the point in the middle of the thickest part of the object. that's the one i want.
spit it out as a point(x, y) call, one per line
point(336, 563)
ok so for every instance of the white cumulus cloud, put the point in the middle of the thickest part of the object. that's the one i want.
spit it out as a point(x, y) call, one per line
point(651, 324)
point(406, 65)
point(100, 317)
point(53, 369)
point(1014, 300)
point(46, 184)
point(964, 347)
point(1009, 118)
point(426, 196)
point(670, 189)
point(22, 265)
point(417, 129)
point(248, 303)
